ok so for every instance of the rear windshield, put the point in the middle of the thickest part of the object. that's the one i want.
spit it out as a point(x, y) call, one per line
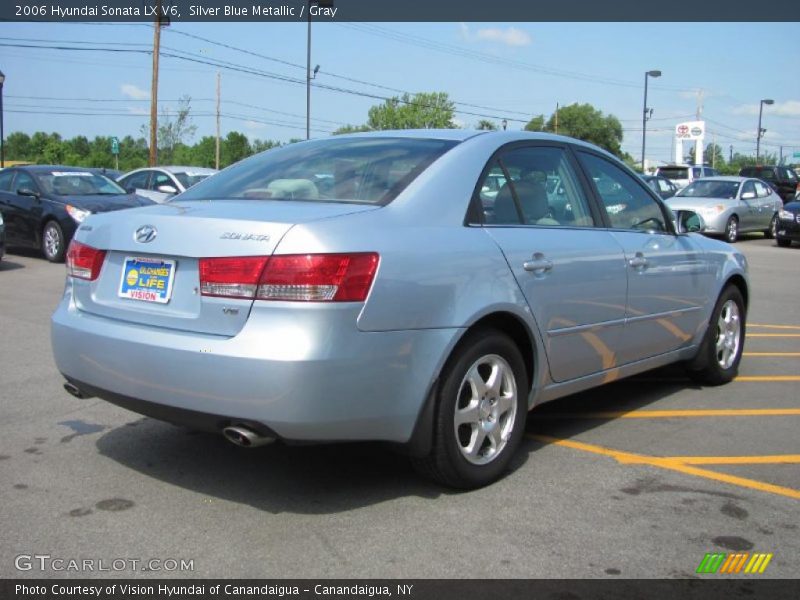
point(709, 188)
point(363, 170)
point(674, 172)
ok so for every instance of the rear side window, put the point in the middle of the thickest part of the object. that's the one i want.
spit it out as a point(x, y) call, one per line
point(539, 187)
point(5, 180)
point(136, 180)
point(363, 170)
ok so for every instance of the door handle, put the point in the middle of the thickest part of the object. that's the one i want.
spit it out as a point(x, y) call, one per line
point(638, 261)
point(538, 264)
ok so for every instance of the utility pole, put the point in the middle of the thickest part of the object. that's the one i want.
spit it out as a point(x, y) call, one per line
point(730, 160)
point(216, 160)
point(699, 113)
point(556, 118)
point(153, 161)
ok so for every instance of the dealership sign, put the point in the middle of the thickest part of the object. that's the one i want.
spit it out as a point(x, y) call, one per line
point(691, 130)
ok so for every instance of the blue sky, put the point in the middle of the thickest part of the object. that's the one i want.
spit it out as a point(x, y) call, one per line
point(511, 71)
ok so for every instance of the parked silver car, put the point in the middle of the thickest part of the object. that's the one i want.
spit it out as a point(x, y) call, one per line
point(731, 206)
point(159, 184)
point(398, 304)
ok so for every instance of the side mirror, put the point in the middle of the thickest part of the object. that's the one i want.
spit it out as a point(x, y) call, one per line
point(167, 189)
point(27, 192)
point(748, 195)
point(688, 221)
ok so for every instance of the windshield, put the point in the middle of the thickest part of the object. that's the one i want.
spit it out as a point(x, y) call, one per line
point(188, 179)
point(674, 172)
point(77, 183)
point(364, 170)
point(710, 188)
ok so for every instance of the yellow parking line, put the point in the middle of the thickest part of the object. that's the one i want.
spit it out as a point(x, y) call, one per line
point(767, 378)
point(762, 354)
point(668, 414)
point(777, 459)
point(671, 464)
point(773, 335)
point(774, 326)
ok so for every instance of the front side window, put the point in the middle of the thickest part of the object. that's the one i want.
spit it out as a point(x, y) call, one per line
point(160, 179)
point(762, 189)
point(627, 203)
point(367, 170)
point(136, 181)
point(535, 186)
point(24, 181)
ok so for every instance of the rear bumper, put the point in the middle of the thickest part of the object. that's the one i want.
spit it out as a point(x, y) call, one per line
point(300, 372)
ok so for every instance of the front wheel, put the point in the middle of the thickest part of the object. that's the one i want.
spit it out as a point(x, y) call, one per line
point(783, 242)
point(772, 230)
point(53, 246)
point(481, 411)
point(732, 230)
point(718, 358)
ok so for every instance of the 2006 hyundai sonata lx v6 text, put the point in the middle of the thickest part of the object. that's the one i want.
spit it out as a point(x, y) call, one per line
point(365, 287)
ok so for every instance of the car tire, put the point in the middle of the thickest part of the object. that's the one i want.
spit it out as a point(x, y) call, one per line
point(772, 230)
point(783, 242)
point(53, 245)
point(477, 428)
point(717, 360)
point(732, 230)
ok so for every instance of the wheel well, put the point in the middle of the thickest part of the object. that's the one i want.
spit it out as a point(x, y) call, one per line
point(739, 282)
point(519, 333)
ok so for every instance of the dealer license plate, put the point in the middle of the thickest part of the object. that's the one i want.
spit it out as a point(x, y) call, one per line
point(147, 279)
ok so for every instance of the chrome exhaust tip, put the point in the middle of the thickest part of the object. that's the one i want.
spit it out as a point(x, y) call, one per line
point(73, 390)
point(244, 437)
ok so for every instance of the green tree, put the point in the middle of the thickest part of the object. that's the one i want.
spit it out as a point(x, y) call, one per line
point(261, 145)
point(584, 122)
point(18, 146)
point(486, 125)
point(535, 124)
point(351, 129)
point(173, 129)
point(235, 148)
point(420, 111)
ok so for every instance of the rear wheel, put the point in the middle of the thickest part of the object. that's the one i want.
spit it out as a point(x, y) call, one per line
point(732, 230)
point(783, 242)
point(53, 246)
point(717, 361)
point(481, 411)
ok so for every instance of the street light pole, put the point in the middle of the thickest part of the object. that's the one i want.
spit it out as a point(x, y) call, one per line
point(644, 111)
point(309, 76)
point(761, 131)
point(2, 135)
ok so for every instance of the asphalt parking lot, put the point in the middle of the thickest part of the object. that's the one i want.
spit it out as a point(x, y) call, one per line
point(638, 479)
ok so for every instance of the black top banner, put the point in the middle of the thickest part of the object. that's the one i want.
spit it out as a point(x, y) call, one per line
point(399, 10)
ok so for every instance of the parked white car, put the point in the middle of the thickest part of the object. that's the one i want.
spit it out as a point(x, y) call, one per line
point(162, 183)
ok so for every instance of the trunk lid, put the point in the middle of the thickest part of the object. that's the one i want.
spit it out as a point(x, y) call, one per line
point(179, 234)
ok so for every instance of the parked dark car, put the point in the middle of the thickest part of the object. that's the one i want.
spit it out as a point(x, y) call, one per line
point(2, 237)
point(661, 185)
point(788, 230)
point(782, 179)
point(42, 206)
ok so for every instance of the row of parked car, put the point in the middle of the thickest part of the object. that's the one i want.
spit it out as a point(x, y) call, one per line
point(41, 206)
point(761, 198)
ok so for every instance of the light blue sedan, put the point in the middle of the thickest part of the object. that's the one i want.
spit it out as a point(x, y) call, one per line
point(367, 287)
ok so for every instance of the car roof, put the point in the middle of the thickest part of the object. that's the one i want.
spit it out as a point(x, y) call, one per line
point(184, 169)
point(46, 168)
point(734, 178)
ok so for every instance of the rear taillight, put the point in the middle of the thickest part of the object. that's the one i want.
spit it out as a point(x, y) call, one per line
point(235, 277)
point(318, 277)
point(84, 262)
point(294, 278)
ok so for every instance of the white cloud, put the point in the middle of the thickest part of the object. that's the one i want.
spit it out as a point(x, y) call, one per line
point(510, 36)
point(254, 125)
point(138, 110)
point(790, 108)
point(131, 91)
